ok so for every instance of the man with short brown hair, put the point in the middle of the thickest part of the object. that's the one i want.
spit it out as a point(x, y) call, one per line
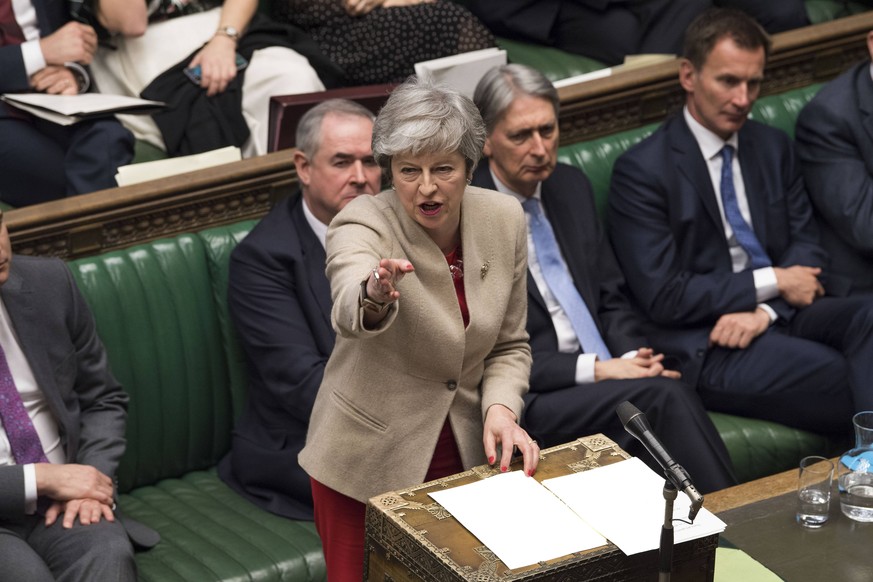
point(712, 226)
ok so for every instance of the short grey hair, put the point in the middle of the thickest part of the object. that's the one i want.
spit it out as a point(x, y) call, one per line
point(421, 117)
point(308, 136)
point(498, 88)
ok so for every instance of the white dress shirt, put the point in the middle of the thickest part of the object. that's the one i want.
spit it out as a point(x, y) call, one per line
point(568, 343)
point(710, 146)
point(31, 53)
point(37, 408)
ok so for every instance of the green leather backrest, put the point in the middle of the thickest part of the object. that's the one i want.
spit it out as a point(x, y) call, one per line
point(782, 110)
point(825, 10)
point(218, 243)
point(155, 308)
point(553, 63)
point(596, 157)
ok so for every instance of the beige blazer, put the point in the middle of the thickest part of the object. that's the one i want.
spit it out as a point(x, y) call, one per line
point(387, 392)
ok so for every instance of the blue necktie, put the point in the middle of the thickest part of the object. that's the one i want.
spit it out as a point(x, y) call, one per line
point(561, 284)
point(744, 233)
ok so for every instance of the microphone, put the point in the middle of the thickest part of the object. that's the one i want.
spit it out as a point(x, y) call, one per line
point(636, 424)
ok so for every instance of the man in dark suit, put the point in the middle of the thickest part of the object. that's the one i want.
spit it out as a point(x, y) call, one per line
point(710, 221)
point(835, 143)
point(279, 298)
point(575, 384)
point(42, 51)
point(62, 431)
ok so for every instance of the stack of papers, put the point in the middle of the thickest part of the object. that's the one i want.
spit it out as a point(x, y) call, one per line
point(461, 71)
point(524, 522)
point(144, 171)
point(70, 109)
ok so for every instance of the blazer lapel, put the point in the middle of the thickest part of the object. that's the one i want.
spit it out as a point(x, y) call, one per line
point(756, 186)
point(571, 242)
point(314, 259)
point(23, 317)
point(693, 168)
point(482, 178)
point(864, 92)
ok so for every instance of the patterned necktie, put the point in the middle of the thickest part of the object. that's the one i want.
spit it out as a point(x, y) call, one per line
point(20, 431)
point(561, 284)
point(10, 31)
point(744, 233)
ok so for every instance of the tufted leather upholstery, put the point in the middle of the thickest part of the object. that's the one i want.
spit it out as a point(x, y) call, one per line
point(160, 310)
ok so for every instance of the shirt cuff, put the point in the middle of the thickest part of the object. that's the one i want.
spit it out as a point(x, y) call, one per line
point(585, 368)
point(770, 312)
point(766, 287)
point(31, 54)
point(30, 493)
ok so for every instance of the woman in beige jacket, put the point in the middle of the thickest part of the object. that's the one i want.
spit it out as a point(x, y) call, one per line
point(428, 281)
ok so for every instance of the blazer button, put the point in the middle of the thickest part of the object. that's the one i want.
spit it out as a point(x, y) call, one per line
point(701, 353)
point(452, 385)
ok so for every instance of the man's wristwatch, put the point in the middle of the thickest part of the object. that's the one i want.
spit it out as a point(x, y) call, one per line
point(230, 32)
point(367, 303)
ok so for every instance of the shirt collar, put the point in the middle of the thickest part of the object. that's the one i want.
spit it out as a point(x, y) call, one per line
point(709, 143)
point(501, 187)
point(318, 227)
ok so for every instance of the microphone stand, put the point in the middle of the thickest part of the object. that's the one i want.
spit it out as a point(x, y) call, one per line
point(665, 552)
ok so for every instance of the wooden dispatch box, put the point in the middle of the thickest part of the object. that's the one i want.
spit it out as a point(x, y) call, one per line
point(411, 537)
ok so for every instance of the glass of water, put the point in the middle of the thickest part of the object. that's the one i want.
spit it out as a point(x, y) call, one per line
point(814, 491)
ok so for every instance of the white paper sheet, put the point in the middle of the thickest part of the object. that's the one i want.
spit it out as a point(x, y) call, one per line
point(518, 519)
point(76, 105)
point(629, 506)
point(144, 171)
point(461, 71)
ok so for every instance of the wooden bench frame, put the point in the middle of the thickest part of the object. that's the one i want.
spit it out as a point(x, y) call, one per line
point(121, 217)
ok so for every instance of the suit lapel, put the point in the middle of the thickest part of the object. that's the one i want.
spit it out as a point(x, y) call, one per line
point(23, 318)
point(864, 92)
point(482, 178)
point(756, 186)
point(570, 240)
point(693, 168)
point(314, 259)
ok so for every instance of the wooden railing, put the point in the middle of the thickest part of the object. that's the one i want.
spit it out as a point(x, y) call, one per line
point(121, 217)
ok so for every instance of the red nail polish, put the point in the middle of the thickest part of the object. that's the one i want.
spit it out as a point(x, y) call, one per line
point(503, 469)
point(491, 460)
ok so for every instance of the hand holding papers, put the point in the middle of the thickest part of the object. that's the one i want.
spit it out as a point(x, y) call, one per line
point(621, 502)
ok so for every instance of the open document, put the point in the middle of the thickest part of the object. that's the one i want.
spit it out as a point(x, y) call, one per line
point(70, 109)
point(524, 522)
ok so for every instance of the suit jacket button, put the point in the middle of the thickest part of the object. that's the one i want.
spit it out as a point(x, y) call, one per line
point(452, 385)
point(701, 353)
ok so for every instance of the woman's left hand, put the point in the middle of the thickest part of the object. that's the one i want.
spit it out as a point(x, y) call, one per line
point(217, 62)
point(501, 428)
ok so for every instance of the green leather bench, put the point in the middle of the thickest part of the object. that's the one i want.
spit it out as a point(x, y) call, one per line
point(161, 311)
